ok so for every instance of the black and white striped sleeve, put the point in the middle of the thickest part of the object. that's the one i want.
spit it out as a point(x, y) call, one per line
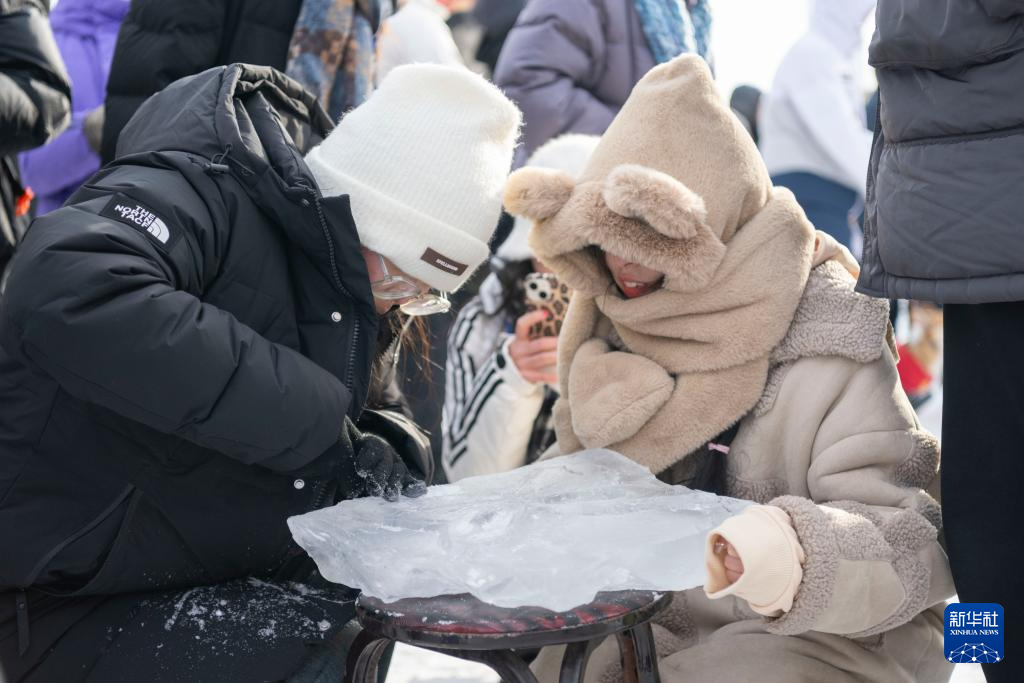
point(489, 409)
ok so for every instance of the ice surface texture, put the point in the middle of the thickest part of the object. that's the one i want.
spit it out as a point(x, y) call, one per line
point(549, 535)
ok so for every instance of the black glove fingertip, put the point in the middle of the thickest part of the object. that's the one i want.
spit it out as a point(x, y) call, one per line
point(413, 488)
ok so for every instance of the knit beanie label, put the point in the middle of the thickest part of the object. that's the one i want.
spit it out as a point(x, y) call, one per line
point(443, 263)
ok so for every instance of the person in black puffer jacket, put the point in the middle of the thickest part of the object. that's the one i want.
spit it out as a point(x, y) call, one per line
point(35, 106)
point(945, 223)
point(186, 350)
point(162, 41)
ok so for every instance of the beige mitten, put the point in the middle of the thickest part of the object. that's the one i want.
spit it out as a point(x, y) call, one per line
point(614, 393)
point(772, 557)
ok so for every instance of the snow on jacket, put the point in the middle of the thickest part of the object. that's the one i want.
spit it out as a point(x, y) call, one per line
point(493, 419)
point(179, 348)
point(85, 31)
point(813, 118)
point(163, 41)
point(571, 64)
point(944, 217)
point(34, 103)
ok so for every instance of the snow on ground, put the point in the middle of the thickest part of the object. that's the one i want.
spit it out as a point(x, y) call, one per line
point(413, 665)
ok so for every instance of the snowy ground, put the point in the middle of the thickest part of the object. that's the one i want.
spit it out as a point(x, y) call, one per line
point(412, 665)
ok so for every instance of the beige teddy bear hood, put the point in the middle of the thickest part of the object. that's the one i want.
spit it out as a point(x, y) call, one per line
point(677, 185)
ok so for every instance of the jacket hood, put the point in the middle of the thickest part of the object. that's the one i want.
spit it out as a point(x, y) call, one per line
point(673, 180)
point(840, 21)
point(255, 124)
point(254, 119)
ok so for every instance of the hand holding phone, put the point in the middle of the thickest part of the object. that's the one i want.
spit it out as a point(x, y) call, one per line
point(544, 292)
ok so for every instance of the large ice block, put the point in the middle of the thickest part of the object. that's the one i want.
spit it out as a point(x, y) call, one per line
point(550, 535)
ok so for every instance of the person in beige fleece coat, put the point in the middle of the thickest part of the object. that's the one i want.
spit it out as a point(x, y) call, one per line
point(717, 339)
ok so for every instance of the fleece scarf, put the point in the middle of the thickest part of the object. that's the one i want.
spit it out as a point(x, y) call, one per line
point(332, 51)
point(677, 185)
point(657, 377)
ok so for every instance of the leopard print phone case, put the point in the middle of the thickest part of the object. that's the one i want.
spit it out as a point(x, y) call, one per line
point(544, 292)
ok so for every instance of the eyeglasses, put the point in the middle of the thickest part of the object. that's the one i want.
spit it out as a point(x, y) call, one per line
point(396, 287)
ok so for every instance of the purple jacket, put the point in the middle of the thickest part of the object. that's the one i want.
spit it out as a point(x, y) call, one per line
point(86, 31)
point(571, 64)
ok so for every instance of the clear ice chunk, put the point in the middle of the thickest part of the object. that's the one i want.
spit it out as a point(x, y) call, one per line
point(550, 535)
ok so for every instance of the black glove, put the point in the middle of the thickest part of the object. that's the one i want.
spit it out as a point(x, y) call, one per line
point(381, 470)
point(412, 444)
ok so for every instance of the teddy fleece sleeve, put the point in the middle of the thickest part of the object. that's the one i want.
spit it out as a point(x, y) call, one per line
point(489, 408)
point(869, 530)
point(549, 65)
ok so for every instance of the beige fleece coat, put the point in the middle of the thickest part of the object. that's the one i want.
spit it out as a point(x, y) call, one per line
point(825, 432)
point(833, 442)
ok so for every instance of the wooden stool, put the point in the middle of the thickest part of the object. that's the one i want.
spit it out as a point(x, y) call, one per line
point(464, 627)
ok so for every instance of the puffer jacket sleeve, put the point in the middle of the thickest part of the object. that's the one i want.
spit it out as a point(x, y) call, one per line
point(159, 43)
point(1002, 9)
point(35, 95)
point(117, 320)
point(549, 66)
point(869, 529)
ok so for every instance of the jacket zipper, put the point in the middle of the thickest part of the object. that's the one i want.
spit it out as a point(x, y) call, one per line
point(350, 367)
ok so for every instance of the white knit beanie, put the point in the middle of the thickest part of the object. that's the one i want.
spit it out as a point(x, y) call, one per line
point(568, 153)
point(424, 161)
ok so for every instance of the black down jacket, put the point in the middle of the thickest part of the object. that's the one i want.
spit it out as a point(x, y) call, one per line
point(35, 102)
point(180, 345)
point(164, 40)
point(944, 220)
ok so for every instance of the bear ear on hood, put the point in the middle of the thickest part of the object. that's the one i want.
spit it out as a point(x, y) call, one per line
point(676, 238)
point(655, 198)
point(538, 193)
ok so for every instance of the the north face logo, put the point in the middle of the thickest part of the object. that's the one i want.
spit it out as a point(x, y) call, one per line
point(133, 213)
point(144, 218)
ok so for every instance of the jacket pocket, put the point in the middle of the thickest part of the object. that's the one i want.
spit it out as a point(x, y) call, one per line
point(147, 554)
point(77, 559)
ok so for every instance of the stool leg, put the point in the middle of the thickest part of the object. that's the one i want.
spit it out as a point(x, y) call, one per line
point(509, 666)
point(574, 661)
point(639, 657)
point(364, 658)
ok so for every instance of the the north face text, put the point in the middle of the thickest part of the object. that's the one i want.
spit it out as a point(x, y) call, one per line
point(133, 213)
point(144, 219)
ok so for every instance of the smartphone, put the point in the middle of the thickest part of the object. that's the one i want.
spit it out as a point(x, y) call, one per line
point(544, 292)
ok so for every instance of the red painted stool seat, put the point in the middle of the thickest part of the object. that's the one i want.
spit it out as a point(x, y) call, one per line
point(465, 627)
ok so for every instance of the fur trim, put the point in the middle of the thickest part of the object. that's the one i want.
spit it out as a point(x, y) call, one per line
point(656, 198)
point(538, 193)
point(929, 508)
point(907, 532)
point(831, 320)
point(678, 619)
point(681, 245)
point(854, 532)
point(834, 320)
point(776, 378)
point(817, 536)
point(922, 464)
point(757, 491)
